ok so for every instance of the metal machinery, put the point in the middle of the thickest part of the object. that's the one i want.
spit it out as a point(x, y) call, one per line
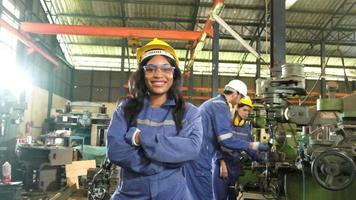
point(44, 166)
point(102, 182)
point(334, 155)
point(11, 114)
point(327, 133)
point(84, 122)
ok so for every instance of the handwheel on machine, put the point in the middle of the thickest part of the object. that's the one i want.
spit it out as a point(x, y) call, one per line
point(333, 169)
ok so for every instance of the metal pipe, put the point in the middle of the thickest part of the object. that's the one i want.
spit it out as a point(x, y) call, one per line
point(236, 36)
point(199, 44)
point(215, 60)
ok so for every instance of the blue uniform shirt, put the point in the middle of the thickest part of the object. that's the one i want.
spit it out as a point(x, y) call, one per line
point(217, 130)
point(232, 160)
point(153, 169)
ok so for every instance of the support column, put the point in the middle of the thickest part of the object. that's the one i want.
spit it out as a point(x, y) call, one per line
point(258, 61)
point(71, 86)
point(122, 68)
point(278, 40)
point(51, 79)
point(323, 65)
point(215, 58)
point(91, 85)
point(190, 80)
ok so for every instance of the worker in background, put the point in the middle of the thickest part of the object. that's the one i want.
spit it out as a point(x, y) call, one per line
point(226, 167)
point(153, 132)
point(217, 131)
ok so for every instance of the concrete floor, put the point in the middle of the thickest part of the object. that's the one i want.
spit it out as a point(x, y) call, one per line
point(78, 195)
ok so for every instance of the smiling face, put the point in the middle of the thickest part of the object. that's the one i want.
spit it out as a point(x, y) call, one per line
point(158, 80)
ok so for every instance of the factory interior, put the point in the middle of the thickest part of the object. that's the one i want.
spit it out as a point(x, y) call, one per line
point(67, 64)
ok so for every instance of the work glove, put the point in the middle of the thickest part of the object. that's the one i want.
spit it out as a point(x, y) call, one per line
point(260, 146)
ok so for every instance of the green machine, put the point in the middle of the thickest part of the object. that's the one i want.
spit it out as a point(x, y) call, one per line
point(313, 149)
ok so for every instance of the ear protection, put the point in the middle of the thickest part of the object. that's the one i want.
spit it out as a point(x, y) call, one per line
point(238, 122)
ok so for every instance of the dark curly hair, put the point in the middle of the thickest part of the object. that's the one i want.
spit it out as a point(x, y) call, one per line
point(138, 91)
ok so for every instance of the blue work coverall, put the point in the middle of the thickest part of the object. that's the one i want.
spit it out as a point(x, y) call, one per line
point(217, 130)
point(153, 170)
point(232, 160)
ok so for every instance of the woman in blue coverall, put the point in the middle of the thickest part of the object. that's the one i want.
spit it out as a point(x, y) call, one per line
point(153, 132)
point(226, 168)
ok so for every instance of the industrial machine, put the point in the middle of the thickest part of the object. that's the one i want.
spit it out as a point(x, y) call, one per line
point(102, 182)
point(44, 166)
point(324, 136)
point(11, 114)
point(86, 119)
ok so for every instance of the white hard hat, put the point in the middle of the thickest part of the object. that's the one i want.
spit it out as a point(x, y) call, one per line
point(238, 86)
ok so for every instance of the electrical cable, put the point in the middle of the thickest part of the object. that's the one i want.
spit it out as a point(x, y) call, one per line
point(316, 82)
point(345, 76)
point(323, 70)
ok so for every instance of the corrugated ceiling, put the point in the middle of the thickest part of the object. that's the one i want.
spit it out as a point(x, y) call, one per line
point(305, 21)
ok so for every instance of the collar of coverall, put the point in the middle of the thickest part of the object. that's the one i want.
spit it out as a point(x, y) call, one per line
point(169, 101)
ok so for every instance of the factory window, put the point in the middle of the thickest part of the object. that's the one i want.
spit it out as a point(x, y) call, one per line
point(8, 41)
point(10, 73)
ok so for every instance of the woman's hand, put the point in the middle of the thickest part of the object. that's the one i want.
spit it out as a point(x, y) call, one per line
point(223, 169)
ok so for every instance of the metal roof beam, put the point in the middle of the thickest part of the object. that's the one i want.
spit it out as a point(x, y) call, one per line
point(231, 23)
point(195, 14)
point(289, 53)
point(25, 39)
point(302, 26)
point(329, 22)
point(339, 19)
point(225, 37)
point(107, 31)
point(302, 41)
point(209, 61)
point(118, 17)
point(208, 4)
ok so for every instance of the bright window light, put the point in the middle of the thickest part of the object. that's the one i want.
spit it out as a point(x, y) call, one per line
point(14, 79)
point(290, 3)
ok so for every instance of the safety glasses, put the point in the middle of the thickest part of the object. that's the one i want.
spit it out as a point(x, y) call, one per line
point(150, 69)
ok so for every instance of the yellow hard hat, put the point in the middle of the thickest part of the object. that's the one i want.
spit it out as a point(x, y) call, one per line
point(156, 47)
point(246, 101)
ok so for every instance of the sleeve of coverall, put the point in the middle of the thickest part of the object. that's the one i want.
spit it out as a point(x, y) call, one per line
point(125, 155)
point(183, 147)
point(255, 155)
point(223, 128)
point(219, 155)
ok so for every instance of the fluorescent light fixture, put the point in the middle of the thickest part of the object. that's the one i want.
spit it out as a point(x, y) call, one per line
point(236, 36)
point(290, 3)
